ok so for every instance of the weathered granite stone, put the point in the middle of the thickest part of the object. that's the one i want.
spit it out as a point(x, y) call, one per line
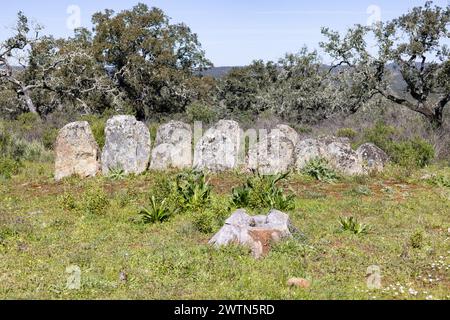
point(256, 233)
point(274, 153)
point(173, 147)
point(76, 151)
point(219, 149)
point(127, 145)
point(374, 159)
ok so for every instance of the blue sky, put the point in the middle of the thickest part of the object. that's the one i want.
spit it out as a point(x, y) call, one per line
point(233, 32)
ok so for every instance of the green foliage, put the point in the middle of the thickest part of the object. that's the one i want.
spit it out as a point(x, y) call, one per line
point(347, 133)
point(352, 225)
point(8, 167)
point(320, 170)
point(95, 201)
point(415, 152)
point(49, 137)
point(194, 189)
point(211, 218)
point(440, 181)
point(197, 111)
point(97, 125)
point(416, 240)
point(116, 174)
point(156, 211)
point(19, 149)
point(68, 201)
point(412, 153)
point(262, 192)
point(28, 120)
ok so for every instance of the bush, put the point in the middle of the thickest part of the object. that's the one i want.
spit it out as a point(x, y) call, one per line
point(98, 128)
point(194, 189)
point(95, 201)
point(8, 167)
point(381, 135)
point(28, 121)
point(20, 149)
point(261, 192)
point(68, 202)
point(200, 112)
point(211, 218)
point(415, 152)
point(416, 240)
point(319, 169)
point(49, 138)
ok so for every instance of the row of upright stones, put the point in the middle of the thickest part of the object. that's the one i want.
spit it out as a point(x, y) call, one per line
point(221, 148)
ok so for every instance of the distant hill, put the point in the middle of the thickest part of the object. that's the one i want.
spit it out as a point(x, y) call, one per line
point(218, 72)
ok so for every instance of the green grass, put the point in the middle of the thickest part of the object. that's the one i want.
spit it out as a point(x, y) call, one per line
point(46, 227)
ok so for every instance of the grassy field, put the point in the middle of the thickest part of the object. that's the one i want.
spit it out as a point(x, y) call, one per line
point(47, 226)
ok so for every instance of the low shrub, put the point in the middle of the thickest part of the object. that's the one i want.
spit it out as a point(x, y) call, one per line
point(416, 153)
point(9, 167)
point(97, 125)
point(262, 192)
point(95, 201)
point(49, 138)
point(22, 150)
point(320, 170)
point(416, 240)
point(194, 189)
point(200, 112)
point(411, 152)
point(211, 218)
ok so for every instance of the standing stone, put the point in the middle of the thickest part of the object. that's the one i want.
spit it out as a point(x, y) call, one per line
point(77, 152)
point(127, 145)
point(274, 153)
point(289, 132)
point(343, 159)
point(338, 152)
point(220, 148)
point(173, 147)
point(373, 158)
point(308, 150)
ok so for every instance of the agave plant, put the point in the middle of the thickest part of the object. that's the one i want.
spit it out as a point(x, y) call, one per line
point(117, 174)
point(319, 169)
point(352, 225)
point(156, 212)
point(194, 189)
point(262, 192)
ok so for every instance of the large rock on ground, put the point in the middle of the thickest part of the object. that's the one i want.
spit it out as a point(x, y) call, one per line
point(76, 151)
point(274, 153)
point(127, 145)
point(343, 159)
point(173, 147)
point(220, 148)
point(256, 233)
point(374, 159)
point(337, 152)
point(308, 150)
point(289, 132)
